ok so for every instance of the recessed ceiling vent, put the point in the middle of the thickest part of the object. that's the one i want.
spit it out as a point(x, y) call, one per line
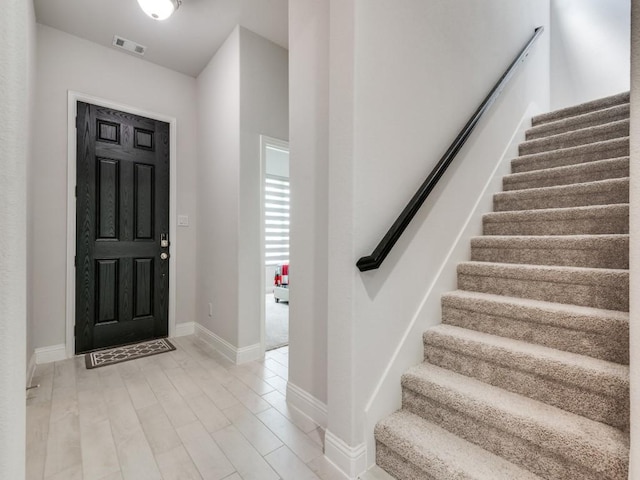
point(128, 45)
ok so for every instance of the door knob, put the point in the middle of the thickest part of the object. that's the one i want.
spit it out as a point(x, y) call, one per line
point(164, 255)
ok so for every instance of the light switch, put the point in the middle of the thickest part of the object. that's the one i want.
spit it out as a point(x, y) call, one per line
point(183, 220)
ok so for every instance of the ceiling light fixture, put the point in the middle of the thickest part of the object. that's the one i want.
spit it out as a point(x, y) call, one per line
point(159, 9)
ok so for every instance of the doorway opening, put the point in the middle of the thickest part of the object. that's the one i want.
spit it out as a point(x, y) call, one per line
point(275, 227)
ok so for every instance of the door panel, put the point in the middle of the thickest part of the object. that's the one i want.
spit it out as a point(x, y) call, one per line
point(107, 290)
point(143, 275)
point(122, 210)
point(108, 196)
point(144, 201)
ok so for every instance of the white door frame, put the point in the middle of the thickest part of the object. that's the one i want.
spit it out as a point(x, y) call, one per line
point(73, 99)
point(265, 141)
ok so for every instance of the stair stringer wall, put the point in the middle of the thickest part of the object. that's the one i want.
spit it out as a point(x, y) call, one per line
point(394, 106)
point(409, 351)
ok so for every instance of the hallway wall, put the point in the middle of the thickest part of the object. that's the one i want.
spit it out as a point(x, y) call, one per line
point(309, 170)
point(218, 91)
point(242, 93)
point(17, 74)
point(264, 110)
point(589, 50)
point(68, 63)
point(379, 90)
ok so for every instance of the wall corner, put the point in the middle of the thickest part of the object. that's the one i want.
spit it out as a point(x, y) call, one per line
point(351, 460)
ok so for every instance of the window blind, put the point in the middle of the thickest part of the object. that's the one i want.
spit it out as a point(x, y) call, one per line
point(276, 220)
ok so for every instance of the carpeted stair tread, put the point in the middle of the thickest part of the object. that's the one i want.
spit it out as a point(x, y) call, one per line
point(436, 453)
point(618, 147)
point(595, 251)
point(570, 174)
point(584, 136)
point(577, 122)
point(588, 331)
point(527, 376)
point(596, 220)
point(546, 440)
point(591, 106)
point(602, 192)
point(587, 372)
point(586, 386)
point(592, 287)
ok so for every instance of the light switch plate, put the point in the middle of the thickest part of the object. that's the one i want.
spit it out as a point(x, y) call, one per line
point(183, 220)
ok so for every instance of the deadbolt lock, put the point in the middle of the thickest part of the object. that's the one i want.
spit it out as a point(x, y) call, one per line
point(164, 240)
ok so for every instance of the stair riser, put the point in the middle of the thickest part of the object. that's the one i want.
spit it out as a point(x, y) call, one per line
point(581, 109)
point(575, 139)
point(619, 169)
point(587, 196)
point(606, 294)
point(562, 158)
point(410, 447)
point(614, 255)
point(609, 344)
point(601, 117)
point(580, 226)
point(534, 457)
point(612, 409)
point(399, 467)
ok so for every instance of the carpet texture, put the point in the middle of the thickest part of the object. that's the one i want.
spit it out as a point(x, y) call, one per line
point(276, 328)
point(527, 377)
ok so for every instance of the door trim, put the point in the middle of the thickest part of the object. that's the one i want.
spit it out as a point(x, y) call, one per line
point(72, 105)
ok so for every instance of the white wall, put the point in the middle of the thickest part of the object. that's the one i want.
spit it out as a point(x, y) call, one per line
point(31, 328)
point(17, 51)
point(309, 157)
point(264, 110)
point(344, 427)
point(402, 82)
point(218, 184)
point(634, 247)
point(589, 50)
point(67, 63)
point(242, 94)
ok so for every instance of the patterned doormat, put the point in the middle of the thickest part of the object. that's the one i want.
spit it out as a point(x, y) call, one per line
point(110, 356)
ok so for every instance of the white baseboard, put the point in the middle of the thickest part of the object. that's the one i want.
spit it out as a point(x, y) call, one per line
point(235, 354)
point(53, 353)
point(307, 404)
point(31, 368)
point(220, 344)
point(249, 354)
point(184, 329)
point(352, 461)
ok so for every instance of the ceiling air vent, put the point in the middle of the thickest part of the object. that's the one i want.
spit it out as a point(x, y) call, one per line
point(128, 45)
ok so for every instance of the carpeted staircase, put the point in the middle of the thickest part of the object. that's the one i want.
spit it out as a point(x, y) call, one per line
point(527, 377)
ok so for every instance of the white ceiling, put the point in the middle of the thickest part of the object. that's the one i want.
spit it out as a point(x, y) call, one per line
point(185, 42)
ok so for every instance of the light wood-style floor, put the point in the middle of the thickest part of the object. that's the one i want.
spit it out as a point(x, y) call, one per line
point(188, 414)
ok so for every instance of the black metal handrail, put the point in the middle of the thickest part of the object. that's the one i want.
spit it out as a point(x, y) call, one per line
point(374, 260)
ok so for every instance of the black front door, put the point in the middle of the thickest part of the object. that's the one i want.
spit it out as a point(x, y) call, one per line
point(122, 227)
